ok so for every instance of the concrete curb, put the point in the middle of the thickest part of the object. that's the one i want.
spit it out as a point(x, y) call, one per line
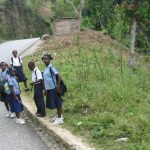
point(57, 133)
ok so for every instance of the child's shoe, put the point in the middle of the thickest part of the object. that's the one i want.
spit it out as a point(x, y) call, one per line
point(53, 119)
point(12, 115)
point(19, 121)
point(22, 119)
point(58, 121)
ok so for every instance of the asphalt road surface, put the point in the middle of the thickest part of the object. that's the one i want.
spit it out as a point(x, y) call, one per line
point(18, 137)
point(14, 136)
point(19, 45)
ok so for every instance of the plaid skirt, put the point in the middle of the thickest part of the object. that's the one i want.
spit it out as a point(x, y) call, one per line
point(53, 100)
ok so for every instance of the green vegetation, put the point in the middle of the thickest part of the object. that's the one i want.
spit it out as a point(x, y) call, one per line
point(105, 99)
point(111, 16)
point(18, 21)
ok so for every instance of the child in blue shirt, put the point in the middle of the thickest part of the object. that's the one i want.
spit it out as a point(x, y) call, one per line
point(5, 95)
point(52, 87)
point(15, 102)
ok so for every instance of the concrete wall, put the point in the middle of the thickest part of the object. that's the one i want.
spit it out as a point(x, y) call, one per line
point(65, 26)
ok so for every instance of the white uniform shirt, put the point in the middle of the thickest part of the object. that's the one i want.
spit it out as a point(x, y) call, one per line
point(16, 61)
point(36, 75)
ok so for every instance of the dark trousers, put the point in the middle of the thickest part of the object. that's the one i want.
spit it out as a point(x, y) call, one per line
point(19, 74)
point(39, 99)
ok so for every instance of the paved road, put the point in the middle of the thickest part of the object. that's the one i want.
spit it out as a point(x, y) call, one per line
point(20, 45)
point(12, 135)
point(18, 137)
point(33, 49)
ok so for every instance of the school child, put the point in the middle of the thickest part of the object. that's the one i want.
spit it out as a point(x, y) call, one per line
point(5, 95)
point(37, 82)
point(53, 99)
point(15, 101)
point(16, 62)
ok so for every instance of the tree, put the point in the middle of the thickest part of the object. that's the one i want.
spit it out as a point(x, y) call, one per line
point(132, 59)
point(130, 8)
point(100, 12)
point(78, 11)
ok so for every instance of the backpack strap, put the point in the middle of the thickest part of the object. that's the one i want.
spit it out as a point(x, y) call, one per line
point(12, 60)
point(52, 75)
point(19, 60)
point(36, 74)
point(37, 78)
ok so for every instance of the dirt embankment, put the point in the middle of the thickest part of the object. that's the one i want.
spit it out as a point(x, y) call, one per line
point(88, 38)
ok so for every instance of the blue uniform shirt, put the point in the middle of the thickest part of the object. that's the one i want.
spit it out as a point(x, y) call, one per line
point(48, 80)
point(13, 82)
point(4, 75)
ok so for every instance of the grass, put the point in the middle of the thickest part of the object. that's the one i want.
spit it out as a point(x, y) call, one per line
point(102, 105)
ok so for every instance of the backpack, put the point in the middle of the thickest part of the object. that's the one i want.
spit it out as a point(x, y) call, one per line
point(6, 88)
point(63, 87)
point(2, 87)
point(13, 60)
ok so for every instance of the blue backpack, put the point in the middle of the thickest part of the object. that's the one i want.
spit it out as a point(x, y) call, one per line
point(63, 87)
point(4, 85)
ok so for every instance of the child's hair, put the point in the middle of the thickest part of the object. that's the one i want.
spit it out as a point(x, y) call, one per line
point(3, 63)
point(48, 56)
point(31, 64)
point(14, 51)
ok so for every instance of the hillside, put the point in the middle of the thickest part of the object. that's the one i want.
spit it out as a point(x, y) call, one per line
point(105, 99)
point(18, 20)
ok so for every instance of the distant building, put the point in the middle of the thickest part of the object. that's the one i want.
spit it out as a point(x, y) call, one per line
point(65, 26)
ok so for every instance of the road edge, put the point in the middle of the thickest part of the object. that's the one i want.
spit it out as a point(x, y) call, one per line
point(59, 134)
point(29, 47)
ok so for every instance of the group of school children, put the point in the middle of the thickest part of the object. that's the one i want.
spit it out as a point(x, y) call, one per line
point(45, 84)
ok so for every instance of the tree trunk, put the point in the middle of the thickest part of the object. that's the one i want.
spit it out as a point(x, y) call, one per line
point(79, 16)
point(78, 12)
point(132, 59)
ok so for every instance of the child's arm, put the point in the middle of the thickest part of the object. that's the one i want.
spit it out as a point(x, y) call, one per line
point(21, 63)
point(10, 82)
point(33, 83)
point(58, 82)
point(13, 92)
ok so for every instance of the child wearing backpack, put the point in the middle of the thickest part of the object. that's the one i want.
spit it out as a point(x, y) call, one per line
point(37, 82)
point(15, 101)
point(16, 62)
point(52, 87)
point(5, 91)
